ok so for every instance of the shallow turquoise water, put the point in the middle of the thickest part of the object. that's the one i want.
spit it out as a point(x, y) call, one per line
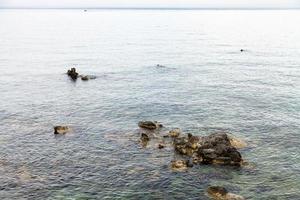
point(207, 85)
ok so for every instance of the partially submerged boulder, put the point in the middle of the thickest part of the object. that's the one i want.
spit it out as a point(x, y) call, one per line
point(87, 77)
point(216, 148)
point(72, 73)
point(220, 193)
point(150, 125)
point(61, 129)
point(180, 164)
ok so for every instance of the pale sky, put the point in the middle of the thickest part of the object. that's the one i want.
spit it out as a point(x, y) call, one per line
point(152, 3)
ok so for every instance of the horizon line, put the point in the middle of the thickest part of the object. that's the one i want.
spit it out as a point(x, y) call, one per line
point(156, 8)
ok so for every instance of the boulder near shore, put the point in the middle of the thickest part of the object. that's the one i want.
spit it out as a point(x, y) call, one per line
point(217, 148)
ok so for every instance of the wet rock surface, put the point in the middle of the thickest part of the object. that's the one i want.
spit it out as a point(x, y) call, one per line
point(221, 193)
point(216, 148)
point(61, 129)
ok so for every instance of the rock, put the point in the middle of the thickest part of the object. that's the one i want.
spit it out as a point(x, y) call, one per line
point(180, 164)
point(213, 149)
point(87, 77)
point(72, 73)
point(160, 66)
point(61, 129)
point(84, 78)
point(237, 143)
point(220, 193)
point(149, 125)
point(161, 146)
point(175, 132)
point(193, 141)
point(216, 148)
point(145, 137)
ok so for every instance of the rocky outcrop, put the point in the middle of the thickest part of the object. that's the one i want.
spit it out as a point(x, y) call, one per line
point(220, 193)
point(72, 73)
point(213, 149)
point(61, 129)
point(217, 148)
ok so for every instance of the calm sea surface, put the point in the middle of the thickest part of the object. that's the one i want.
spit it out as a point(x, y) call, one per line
point(206, 85)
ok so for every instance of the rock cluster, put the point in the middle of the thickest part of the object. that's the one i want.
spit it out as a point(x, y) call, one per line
point(216, 148)
point(74, 75)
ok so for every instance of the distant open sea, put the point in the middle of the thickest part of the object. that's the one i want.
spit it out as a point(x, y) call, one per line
point(205, 84)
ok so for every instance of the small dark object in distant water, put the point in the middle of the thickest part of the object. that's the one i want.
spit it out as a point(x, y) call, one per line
point(61, 129)
point(87, 77)
point(242, 50)
point(218, 192)
point(161, 146)
point(162, 66)
point(85, 10)
point(149, 125)
point(72, 73)
point(84, 78)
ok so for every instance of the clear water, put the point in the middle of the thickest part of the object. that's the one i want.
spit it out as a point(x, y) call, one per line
point(207, 84)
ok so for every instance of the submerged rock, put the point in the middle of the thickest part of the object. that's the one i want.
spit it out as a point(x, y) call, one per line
point(87, 77)
point(180, 164)
point(220, 193)
point(175, 132)
point(72, 73)
point(149, 125)
point(61, 129)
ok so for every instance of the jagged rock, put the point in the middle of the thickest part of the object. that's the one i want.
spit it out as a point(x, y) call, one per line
point(175, 132)
point(220, 193)
point(213, 149)
point(216, 148)
point(72, 73)
point(149, 125)
point(61, 129)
